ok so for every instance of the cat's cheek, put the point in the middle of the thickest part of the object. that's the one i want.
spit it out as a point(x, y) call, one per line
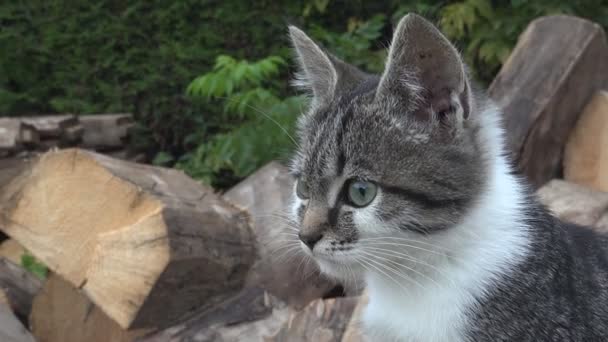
point(367, 219)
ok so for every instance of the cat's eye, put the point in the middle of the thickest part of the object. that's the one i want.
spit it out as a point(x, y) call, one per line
point(302, 189)
point(361, 193)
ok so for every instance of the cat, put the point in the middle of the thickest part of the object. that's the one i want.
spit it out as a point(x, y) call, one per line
point(402, 180)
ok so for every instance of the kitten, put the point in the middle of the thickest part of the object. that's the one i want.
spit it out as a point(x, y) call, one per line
point(402, 180)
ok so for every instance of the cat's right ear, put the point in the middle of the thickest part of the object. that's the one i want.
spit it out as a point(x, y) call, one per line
point(317, 73)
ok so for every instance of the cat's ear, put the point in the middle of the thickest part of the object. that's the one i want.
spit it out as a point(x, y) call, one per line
point(425, 69)
point(324, 75)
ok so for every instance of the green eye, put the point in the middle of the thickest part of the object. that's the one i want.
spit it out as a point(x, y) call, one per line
point(361, 194)
point(302, 190)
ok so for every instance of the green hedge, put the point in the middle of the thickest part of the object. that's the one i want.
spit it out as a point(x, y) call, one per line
point(140, 56)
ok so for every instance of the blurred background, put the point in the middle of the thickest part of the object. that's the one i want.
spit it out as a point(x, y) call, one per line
point(207, 81)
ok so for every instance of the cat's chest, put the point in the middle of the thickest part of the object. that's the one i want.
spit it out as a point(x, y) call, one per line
point(435, 315)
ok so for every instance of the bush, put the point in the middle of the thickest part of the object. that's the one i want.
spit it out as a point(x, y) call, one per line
point(140, 56)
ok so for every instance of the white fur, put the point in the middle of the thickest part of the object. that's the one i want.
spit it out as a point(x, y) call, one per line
point(426, 303)
point(490, 241)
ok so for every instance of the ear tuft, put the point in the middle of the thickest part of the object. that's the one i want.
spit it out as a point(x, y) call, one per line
point(316, 72)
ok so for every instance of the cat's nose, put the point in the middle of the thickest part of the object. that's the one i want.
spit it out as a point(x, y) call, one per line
point(310, 239)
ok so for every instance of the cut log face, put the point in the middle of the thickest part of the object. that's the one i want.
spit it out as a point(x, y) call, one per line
point(106, 131)
point(266, 195)
point(11, 330)
point(576, 203)
point(586, 154)
point(558, 63)
point(61, 313)
point(19, 287)
point(321, 321)
point(146, 244)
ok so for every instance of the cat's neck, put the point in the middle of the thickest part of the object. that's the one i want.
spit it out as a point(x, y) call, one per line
point(492, 240)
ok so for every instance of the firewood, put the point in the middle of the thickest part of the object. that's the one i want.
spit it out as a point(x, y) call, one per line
point(12, 251)
point(586, 154)
point(576, 203)
point(558, 63)
point(321, 321)
point(11, 330)
point(252, 315)
point(354, 329)
point(15, 135)
point(145, 244)
point(265, 195)
point(106, 131)
point(52, 126)
point(62, 313)
point(19, 286)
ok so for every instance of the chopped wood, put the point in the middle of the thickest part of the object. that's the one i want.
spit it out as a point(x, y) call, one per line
point(252, 314)
point(52, 126)
point(586, 154)
point(265, 195)
point(558, 63)
point(12, 250)
point(576, 203)
point(105, 131)
point(321, 321)
point(19, 286)
point(354, 330)
point(15, 135)
point(11, 329)
point(146, 244)
point(62, 313)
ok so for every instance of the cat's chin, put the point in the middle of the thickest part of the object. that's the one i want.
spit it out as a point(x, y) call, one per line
point(340, 269)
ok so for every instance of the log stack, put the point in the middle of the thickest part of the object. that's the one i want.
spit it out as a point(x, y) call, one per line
point(145, 244)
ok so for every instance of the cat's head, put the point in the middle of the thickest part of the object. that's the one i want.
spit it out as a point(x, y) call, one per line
point(389, 157)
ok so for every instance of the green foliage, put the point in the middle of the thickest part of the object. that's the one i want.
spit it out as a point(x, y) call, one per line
point(30, 263)
point(259, 120)
point(139, 56)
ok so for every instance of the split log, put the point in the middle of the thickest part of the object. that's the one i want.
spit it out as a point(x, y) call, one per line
point(146, 244)
point(586, 154)
point(15, 135)
point(11, 330)
point(576, 203)
point(61, 313)
point(354, 329)
point(321, 321)
point(558, 63)
point(252, 314)
point(106, 131)
point(12, 251)
point(265, 195)
point(55, 126)
point(19, 286)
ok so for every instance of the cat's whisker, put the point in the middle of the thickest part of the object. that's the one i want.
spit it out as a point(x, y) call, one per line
point(377, 269)
point(394, 254)
point(381, 260)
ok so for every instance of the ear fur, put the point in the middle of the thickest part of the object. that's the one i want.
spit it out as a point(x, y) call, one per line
point(320, 73)
point(424, 69)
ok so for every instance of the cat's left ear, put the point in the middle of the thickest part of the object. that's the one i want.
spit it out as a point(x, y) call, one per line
point(425, 69)
point(321, 73)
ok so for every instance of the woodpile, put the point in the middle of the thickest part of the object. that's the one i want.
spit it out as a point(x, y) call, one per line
point(143, 253)
point(557, 66)
point(106, 133)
